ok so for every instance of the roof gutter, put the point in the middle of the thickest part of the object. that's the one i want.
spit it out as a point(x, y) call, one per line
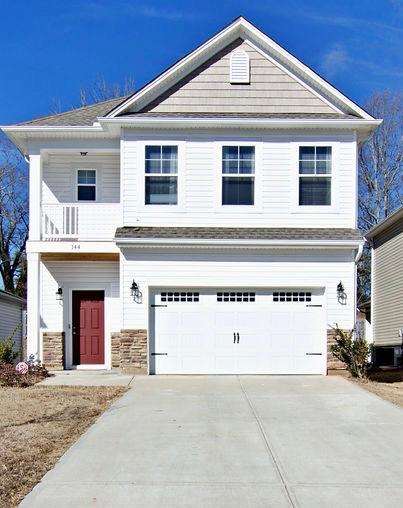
point(202, 242)
point(278, 123)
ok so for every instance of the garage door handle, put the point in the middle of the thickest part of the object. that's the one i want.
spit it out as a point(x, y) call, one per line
point(313, 354)
point(234, 338)
point(159, 354)
point(238, 338)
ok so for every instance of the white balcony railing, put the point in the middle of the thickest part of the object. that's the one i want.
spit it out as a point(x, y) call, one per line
point(84, 221)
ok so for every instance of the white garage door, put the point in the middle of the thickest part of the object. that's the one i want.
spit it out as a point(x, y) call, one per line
point(227, 331)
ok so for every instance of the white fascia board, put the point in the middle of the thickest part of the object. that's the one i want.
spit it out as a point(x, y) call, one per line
point(181, 242)
point(50, 128)
point(278, 123)
point(240, 27)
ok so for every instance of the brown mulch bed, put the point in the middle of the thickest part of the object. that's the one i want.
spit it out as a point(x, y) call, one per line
point(386, 384)
point(37, 425)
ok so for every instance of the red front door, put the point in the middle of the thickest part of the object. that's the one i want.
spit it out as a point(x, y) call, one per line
point(88, 327)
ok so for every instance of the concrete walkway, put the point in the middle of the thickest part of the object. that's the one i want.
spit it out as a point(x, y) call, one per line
point(247, 442)
point(87, 378)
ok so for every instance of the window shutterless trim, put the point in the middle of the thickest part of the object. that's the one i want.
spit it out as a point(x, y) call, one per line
point(95, 185)
point(161, 175)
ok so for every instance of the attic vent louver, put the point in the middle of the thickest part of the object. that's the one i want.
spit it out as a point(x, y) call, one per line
point(239, 72)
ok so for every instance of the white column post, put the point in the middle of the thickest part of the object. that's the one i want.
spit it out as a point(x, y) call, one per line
point(33, 306)
point(35, 182)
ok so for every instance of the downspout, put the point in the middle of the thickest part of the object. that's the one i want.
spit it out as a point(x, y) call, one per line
point(359, 253)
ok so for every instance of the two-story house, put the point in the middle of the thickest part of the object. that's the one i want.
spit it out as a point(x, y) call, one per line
point(204, 224)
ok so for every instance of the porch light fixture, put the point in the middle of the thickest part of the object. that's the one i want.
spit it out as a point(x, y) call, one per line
point(135, 292)
point(341, 294)
point(59, 294)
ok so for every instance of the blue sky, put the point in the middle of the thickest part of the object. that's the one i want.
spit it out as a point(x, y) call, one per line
point(50, 49)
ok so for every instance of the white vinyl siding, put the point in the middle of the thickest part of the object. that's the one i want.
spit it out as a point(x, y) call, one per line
point(59, 177)
point(247, 269)
point(11, 315)
point(56, 274)
point(276, 188)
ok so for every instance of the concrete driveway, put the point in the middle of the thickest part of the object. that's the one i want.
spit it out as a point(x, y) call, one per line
point(229, 441)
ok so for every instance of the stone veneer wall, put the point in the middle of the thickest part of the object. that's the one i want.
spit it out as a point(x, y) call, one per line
point(129, 351)
point(53, 350)
point(332, 362)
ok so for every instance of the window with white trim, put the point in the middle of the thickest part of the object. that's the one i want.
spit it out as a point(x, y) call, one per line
point(185, 296)
point(238, 175)
point(315, 175)
point(86, 185)
point(161, 175)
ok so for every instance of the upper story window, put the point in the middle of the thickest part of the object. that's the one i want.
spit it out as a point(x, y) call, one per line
point(86, 185)
point(315, 175)
point(161, 175)
point(238, 175)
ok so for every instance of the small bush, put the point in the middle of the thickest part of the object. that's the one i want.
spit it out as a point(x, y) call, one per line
point(7, 352)
point(10, 377)
point(354, 352)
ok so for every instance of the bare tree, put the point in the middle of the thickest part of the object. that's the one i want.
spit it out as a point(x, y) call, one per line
point(13, 218)
point(101, 90)
point(380, 174)
point(380, 161)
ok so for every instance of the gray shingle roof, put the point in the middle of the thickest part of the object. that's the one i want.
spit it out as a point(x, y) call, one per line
point(89, 114)
point(223, 233)
point(78, 117)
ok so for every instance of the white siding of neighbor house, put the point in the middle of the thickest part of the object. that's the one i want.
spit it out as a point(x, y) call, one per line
point(82, 275)
point(276, 196)
point(209, 89)
point(11, 316)
point(244, 269)
point(59, 177)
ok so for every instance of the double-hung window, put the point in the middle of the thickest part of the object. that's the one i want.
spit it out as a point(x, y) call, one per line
point(161, 175)
point(315, 175)
point(238, 175)
point(86, 185)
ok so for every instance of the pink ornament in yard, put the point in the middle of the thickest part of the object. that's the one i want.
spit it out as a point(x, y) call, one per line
point(21, 368)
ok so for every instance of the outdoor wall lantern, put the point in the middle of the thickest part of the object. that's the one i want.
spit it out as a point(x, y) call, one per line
point(341, 294)
point(135, 292)
point(59, 294)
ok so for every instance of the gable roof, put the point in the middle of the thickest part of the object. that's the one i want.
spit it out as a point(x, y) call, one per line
point(240, 28)
point(270, 88)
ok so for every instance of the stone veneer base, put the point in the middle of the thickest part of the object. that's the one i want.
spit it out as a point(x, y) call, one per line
point(53, 350)
point(129, 351)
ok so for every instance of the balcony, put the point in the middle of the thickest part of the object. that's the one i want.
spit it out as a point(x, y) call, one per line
point(84, 221)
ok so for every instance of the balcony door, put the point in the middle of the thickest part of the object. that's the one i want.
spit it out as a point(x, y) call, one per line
point(88, 328)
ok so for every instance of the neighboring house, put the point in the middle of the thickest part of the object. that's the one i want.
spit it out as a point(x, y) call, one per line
point(202, 224)
point(12, 318)
point(386, 239)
